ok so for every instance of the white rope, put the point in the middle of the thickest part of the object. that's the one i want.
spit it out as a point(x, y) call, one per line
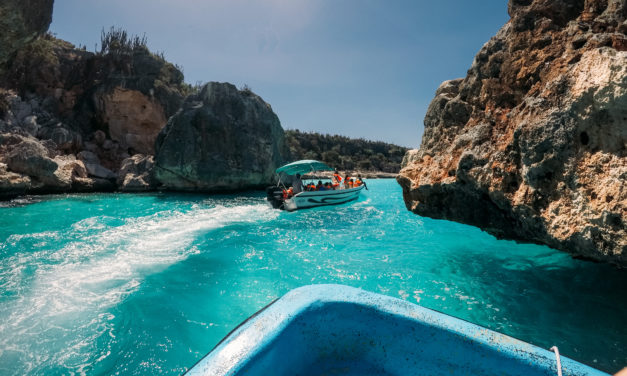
point(557, 358)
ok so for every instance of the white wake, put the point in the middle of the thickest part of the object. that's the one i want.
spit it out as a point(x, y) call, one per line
point(72, 288)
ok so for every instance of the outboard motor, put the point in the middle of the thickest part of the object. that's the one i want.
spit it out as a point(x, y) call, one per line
point(275, 197)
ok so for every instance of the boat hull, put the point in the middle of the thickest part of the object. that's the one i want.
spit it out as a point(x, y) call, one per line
point(334, 329)
point(305, 200)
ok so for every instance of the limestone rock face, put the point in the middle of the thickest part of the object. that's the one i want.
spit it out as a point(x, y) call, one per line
point(532, 144)
point(31, 158)
point(134, 119)
point(102, 107)
point(222, 139)
point(28, 166)
point(410, 156)
point(69, 169)
point(21, 21)
point(58, 101)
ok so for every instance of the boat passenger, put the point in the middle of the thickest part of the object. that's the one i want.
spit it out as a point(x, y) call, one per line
point(297, 184)
point(319, 186)
point(336, 180)
point(346, 181)
point(351, 183)
point(358, 181)
point(290, 192)
point(328, 186)
point(361, 181)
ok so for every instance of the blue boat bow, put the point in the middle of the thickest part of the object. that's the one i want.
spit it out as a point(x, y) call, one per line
point(340, 330)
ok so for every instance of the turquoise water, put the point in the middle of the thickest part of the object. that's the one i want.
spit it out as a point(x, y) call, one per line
point(148, 283)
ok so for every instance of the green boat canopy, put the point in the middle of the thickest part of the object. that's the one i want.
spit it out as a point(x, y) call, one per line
point(303, 167)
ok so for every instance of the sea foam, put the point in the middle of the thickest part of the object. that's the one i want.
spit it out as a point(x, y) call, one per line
point(73, 286)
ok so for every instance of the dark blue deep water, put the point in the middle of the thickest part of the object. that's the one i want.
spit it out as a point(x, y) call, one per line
point(123, 284)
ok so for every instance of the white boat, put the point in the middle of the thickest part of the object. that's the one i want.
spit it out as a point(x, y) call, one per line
point(304, 200)
point(307, 199)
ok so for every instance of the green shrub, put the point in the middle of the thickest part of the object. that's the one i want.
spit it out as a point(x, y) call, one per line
point(42, 51)
point(118, 42)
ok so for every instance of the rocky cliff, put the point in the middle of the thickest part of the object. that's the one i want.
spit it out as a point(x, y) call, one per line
point(532, 144)
point(73, 120)
point(102, 110)
point(222, 139)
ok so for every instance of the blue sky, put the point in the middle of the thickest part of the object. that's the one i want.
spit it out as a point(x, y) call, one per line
point(359, 68)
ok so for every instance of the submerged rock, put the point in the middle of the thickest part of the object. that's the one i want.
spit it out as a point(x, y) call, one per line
point(532, 144)
point(222, 139)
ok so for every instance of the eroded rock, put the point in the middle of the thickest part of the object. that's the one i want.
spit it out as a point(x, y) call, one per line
point(31, 158)
point(69, 170)
point(222, 139)
point(134, 119)
point(532, 144)
point(57, 101)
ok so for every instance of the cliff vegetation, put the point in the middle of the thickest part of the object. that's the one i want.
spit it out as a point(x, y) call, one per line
point(345, 153)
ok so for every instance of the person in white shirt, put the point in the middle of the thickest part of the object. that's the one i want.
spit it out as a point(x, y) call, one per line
point(297, 184)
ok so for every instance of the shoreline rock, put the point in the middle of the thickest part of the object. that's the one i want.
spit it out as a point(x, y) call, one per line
point(532, 144)
point(222, 139)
